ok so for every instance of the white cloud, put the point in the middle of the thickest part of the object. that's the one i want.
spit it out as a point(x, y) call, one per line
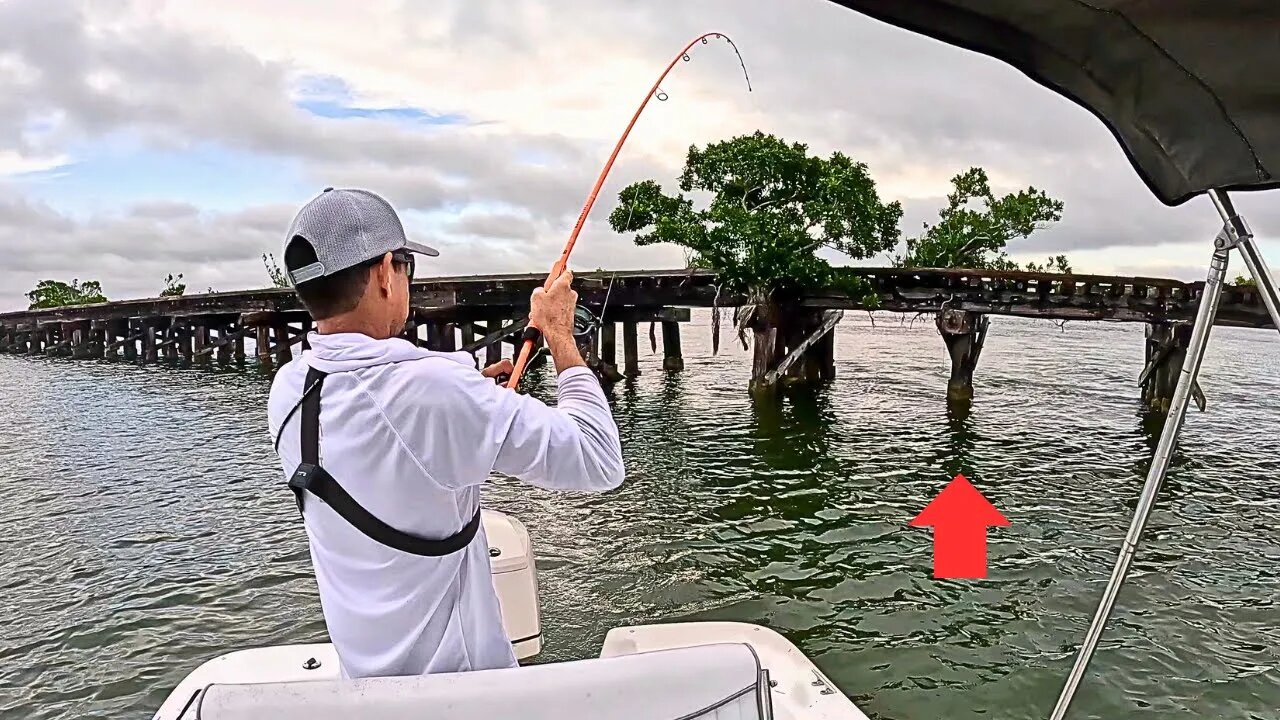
point(14, 163)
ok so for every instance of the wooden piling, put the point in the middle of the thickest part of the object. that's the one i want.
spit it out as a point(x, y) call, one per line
point(200, 342)
point(164, 348)
point(493, 353)
point(806, 331)
point(238, 351)
point(441, 337)
point(282, 347)
point(148, 343)
point(114, 334)
point(263, 346)
point(131, 329)
point(672, 360)
point(1165, 351)
point(964, 333)
point(80, 341)
point(185, 337)
point(609, 351)
point(99, 338)
point(765, 354)
point(767, 347)
point(448, 338)
point(226, 336)
point(824, 352)
point(790, 343)
point(468, 331)
point(630, 349)
point(94, 336)
point(435, 336)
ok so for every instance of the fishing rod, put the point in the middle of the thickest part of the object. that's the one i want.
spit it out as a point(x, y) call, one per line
point(532, 333)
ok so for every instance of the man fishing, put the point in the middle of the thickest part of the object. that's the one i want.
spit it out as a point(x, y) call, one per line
point(386, 446)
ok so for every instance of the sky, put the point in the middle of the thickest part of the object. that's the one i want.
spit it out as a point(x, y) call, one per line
point(140, 138)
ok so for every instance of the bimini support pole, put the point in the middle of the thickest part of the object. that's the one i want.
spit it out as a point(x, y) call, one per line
point(1235, 234)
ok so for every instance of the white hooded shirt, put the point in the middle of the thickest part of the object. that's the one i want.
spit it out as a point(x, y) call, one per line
point(411, 435)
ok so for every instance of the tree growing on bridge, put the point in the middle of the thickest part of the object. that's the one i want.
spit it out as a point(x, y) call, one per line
point(173, 286)
point(278, 278)
point(975, 227)
point(772, 207)
point(55, 293)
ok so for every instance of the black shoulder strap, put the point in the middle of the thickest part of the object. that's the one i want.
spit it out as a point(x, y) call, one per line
point(314, 479)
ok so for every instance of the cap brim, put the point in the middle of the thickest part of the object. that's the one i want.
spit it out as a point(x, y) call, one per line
point(420, 249)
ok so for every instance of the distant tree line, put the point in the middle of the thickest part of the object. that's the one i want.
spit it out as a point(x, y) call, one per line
point(56, 293)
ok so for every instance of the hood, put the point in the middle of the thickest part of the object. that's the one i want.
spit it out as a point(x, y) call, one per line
point(338, 352)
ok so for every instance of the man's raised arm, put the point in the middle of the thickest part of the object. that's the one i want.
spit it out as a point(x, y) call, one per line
point(574, 445)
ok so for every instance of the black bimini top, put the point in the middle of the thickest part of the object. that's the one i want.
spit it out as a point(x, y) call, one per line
point(1190, 88)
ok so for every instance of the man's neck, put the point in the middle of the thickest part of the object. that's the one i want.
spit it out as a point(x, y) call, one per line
point(350, 324)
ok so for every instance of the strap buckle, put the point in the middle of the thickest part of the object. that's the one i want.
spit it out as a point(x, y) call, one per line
point(302, 477)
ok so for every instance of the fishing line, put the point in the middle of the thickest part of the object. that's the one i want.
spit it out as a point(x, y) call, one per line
point(531, 333)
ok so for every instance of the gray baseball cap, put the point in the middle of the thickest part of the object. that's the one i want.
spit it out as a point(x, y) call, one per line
point(345, 227)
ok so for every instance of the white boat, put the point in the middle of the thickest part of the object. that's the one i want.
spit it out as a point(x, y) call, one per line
point(674, 671)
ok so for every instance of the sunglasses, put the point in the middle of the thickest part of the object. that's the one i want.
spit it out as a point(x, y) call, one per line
point(404, 257)
point(398, 257)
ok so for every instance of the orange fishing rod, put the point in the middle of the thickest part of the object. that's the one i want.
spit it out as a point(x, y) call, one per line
point(532, 333)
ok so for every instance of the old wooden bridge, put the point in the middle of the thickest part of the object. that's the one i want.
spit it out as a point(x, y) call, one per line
point(482, 313)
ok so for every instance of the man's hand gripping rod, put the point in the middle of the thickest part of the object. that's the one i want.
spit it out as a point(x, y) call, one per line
point(532, 333)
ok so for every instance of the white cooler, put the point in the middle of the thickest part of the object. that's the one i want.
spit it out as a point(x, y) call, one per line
point(515, 578)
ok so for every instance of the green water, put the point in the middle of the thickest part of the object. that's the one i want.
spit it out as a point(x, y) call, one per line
point(147, 527)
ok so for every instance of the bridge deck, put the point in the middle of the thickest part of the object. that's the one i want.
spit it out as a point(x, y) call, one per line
point(462, 298)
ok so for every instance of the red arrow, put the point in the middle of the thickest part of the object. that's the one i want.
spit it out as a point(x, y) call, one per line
point(959, 516)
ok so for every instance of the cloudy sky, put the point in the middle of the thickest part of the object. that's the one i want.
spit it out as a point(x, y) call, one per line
point(139, 138)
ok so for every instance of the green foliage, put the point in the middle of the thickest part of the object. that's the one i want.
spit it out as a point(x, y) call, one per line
point(172, 286)
point(1057, 263)
point(278, 278)
point(975, 237)
point(1243, 281)
point(772, 207)
point(55, 293)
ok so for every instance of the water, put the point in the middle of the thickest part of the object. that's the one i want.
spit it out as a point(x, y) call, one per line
point(147, 527)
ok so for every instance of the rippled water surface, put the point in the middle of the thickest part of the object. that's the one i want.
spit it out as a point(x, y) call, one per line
point(147, 528)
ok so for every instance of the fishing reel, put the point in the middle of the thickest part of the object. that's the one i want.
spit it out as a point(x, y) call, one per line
point(585, 326)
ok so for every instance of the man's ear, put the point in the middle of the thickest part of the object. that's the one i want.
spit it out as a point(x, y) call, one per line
point(383, 273)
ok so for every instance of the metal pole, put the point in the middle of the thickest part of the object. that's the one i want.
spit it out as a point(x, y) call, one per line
point(1262, 276)
point(1241, 235)
point(1205, 315)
